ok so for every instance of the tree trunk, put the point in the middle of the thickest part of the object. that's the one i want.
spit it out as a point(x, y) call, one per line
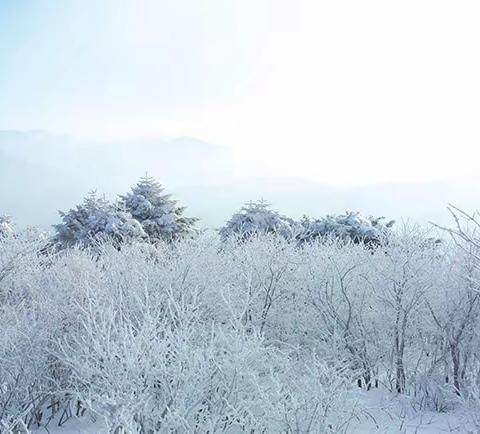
point(455, 353)
point(399, 348)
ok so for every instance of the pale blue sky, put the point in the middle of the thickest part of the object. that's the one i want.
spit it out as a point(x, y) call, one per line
point(109, 57)
point(341, 92)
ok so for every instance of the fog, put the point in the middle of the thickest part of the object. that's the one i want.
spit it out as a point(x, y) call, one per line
point(42, 173)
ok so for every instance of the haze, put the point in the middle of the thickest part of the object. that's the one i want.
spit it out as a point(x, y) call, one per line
point(317, 106)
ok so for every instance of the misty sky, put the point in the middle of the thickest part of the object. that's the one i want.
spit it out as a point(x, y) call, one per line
point(340, 92)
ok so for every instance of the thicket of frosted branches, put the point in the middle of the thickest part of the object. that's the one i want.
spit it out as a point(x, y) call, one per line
point(267, 334)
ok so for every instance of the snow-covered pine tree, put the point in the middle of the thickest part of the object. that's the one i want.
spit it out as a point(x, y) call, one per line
point(160, 216)
point(348, 226)
point(256, 218)
point(7, 227)
point(96, 219)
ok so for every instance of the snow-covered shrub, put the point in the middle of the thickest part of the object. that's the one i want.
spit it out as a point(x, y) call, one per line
point(432, 393)
point(20, 259)
point(310, 396)
point(94, 220)
point(403, 275)
point(471, 398)
point(258, 286)
point(25, 381)
point(160, 216)
point(151, 363)
point(339, 303)
point(456, 311)
point(208, 334)
point(349, 226)
point(24, 375)
point(149, 355)
point(7, 228)
point(155, 339)
point(256, 218)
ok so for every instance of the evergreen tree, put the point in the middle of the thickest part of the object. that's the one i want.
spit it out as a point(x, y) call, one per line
point(256, 218)
point(159, 215)
point(94, 220)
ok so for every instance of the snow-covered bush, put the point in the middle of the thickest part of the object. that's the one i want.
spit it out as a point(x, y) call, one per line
point(94, 220)
point(334, 288)
point(310, 396)
point(7, 227)
point(167, 364)
point(20, 259)
point(256, 218)
point(432, 393)
point(403, 275)
point(206, 334)
point(471, 398)
point(160, 216)
point(456, 314)
point(349, 226)
point(24, 374)
point(25, 381)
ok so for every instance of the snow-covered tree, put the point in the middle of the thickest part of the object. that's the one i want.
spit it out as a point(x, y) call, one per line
point(94, 220)
point(349, 226)
point(202, 335)
point(6, 226)
point(256, 218)
point(456, 313)
point(159, 215)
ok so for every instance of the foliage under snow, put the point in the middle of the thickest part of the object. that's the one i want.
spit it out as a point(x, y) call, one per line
point(205, 335)
point(6, 226)
point(159, 215)
point(256, 218)
point(349, 226)
point(94, 220)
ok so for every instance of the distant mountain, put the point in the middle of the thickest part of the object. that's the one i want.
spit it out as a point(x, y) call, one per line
point(41, 173)
point(417, 203)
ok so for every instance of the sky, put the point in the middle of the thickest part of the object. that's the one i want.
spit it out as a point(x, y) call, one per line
point(345, 93)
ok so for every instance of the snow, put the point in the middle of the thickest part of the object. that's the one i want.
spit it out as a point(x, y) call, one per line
point(266, 334)
point(256, 218)
point(76, 425)
point(386, 413)
point(160, 216)
point(349, 226)
point(93, 220)
point(6, 226)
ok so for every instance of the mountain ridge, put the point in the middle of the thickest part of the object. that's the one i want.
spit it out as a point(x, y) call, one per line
point(52, 172)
